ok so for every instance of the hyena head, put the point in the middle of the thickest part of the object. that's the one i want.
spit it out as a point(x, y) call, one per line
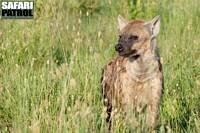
point(135, 36)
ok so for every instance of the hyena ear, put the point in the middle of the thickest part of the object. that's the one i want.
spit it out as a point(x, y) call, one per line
point(121, 22)
point(153, 26)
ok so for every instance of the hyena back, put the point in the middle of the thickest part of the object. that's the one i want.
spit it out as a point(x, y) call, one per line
point(134, 78)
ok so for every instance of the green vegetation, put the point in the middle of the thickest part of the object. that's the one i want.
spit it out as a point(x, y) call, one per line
point(50, 67)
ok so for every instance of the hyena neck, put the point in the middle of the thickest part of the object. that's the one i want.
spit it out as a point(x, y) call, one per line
point(146, 65)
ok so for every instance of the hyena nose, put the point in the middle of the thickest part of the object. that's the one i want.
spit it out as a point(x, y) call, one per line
point(119, 48)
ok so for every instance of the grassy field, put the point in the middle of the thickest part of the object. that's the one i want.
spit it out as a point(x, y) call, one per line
point(50, 67)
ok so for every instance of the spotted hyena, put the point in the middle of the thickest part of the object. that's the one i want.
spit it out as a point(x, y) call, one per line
point(134, 79)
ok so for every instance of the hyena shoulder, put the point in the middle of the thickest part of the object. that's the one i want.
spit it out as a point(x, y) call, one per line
point(110, 73)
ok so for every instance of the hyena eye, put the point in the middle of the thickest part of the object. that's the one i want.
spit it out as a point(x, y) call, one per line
point(133, 37)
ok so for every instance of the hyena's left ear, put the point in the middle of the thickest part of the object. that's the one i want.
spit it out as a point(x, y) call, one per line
point(153, 26)
point(121, 22)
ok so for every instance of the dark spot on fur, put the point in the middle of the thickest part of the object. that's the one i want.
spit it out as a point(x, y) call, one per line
point(123, 70)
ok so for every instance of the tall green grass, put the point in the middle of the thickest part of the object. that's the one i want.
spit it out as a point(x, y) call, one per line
point(50, 67)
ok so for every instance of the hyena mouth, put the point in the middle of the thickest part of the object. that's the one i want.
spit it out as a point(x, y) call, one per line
point(128, 54)
point(133, 52)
